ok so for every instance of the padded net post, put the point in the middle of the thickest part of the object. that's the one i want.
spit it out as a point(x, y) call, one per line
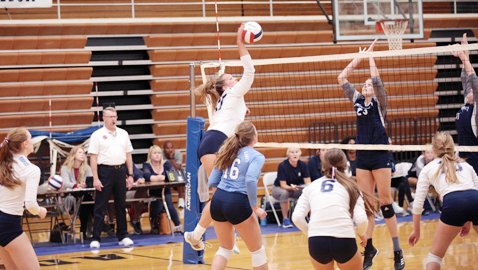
point(394, 31)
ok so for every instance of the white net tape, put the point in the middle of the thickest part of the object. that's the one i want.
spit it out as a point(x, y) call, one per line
point(394, 31)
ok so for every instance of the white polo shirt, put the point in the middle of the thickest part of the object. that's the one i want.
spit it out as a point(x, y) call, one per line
point(11, 200)
point(111, 147)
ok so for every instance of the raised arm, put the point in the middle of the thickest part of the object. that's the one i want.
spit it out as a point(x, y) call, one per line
point(350, 67)
point(244, 85)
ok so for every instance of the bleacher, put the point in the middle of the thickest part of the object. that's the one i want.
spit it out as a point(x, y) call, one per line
point(143, 67)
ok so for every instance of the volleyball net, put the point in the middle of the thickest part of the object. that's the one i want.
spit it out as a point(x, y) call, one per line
point(298, 101)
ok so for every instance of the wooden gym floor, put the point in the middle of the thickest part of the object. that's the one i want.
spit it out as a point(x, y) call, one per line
point(284, 251)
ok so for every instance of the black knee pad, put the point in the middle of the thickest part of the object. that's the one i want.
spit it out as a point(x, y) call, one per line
point(387, 211)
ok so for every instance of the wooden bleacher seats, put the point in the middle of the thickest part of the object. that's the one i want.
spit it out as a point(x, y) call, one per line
point(47, 88)
point(45, 74)
point(42, 104)
point(35, 120)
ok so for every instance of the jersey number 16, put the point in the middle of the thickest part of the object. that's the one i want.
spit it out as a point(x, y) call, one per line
point(234, 173)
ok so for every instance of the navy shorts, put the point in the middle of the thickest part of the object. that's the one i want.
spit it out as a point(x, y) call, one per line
point(324, 249)
point(460, 207)
point(211, 142)
point(230, 206)
point(373, 160)
point(10, 228)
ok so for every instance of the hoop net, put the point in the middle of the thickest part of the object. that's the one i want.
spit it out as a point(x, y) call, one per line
point(394, 31)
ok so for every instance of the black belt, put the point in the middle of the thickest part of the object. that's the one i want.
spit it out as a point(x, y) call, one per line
point(113, 166)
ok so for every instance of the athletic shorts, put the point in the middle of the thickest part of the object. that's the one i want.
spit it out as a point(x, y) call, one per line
point(324, 249)
point(10, 228)
point(210, 143)
point(230, 206)
point(373, 160)
point(460, 207)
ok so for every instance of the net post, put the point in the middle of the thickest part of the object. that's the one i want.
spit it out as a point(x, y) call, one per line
point(192, 83)
point(193, 207)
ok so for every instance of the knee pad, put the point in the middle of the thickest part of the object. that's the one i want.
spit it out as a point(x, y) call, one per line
point(259, 257)
point(434, 258)
point(387, 211)
point(226, 253)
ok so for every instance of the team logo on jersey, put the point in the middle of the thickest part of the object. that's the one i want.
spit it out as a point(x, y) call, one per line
point(298, 174)
point(105, 137)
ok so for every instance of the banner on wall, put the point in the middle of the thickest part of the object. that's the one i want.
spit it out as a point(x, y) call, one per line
point(25, 3)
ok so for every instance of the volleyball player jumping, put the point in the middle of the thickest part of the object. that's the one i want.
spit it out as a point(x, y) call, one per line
point(237, 169)
point(466, 121)
point(228, 94)
point(334, 201)
point(456, 183)
point(373, 166)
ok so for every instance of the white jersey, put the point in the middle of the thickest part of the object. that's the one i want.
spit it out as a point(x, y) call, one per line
point(230, 108)
point(11, 200)
point(328, 203)
point(464, 172)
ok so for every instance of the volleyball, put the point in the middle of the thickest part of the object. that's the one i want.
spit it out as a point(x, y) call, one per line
point(55, 182)
point(252, 32)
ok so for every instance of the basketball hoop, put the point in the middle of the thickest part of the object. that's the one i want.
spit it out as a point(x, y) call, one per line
point(394, 30)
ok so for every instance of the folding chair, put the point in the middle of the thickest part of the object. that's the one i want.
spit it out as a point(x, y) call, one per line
point(268, 181)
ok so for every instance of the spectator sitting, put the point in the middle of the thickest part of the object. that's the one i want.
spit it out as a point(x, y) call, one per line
point(137, 208)
point(154, 171)
point(291, 173)
point(425, 158)
point(315, 164)
point(74, 172)
point(351, 156)
point(176, 158)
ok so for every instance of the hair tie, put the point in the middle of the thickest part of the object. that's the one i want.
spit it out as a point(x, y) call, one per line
point(237, 135)
point(213, 83)
point(6, 140)
point(333, 172)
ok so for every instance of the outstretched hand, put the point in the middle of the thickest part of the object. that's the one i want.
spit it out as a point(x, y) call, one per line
point(239, 33)
point(370, 49)
point(457, 53)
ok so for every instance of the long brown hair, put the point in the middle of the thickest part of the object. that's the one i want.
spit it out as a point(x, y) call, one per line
point(11, 144)
point(245, 133)
point(335, 163)
point(444, 147)
point(70, 161)
point(211, 90)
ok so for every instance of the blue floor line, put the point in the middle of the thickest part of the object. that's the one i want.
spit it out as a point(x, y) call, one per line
point(47, 248)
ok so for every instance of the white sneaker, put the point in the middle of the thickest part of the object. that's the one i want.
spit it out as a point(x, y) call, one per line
point(95, 244)
point(397, 209)
point(195, 244)
point(126, 242)
point(181, 203)
point(235, 249)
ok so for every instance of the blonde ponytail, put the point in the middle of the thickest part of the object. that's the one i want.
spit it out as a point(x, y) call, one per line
point(444, 147)
point(211, 90)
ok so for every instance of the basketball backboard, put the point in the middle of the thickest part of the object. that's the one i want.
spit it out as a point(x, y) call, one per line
point(356, 19)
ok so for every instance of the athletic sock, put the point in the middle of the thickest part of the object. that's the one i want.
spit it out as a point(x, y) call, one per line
point(198, 232)
point(396, 244)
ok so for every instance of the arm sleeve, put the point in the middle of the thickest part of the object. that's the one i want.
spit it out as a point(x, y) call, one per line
point(423, 185)
point(31, 187)
point(214, 178)
point(252, 177)
point(381, 95)
point(360, 217)
point(243, 86)
point(147, 172)
point(313, 170)
point(350, 92)
point(136, 173)
point(67, 181)
point(465, 83)
point(94, 147)
point(301, 210)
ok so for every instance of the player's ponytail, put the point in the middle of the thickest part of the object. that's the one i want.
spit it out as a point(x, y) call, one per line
point(334, 167)
point(245, 133)
point(211, 90)
point(444, 147)
point(10, 145)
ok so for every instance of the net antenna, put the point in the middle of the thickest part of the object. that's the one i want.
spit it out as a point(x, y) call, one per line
point(394, 30)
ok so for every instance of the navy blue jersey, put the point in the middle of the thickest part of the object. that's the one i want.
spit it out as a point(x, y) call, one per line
point(315, 167)
point(293, 175)
point(370, 117)
point(466, 122)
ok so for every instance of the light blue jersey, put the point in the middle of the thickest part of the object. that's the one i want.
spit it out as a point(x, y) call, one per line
point(242, 175)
